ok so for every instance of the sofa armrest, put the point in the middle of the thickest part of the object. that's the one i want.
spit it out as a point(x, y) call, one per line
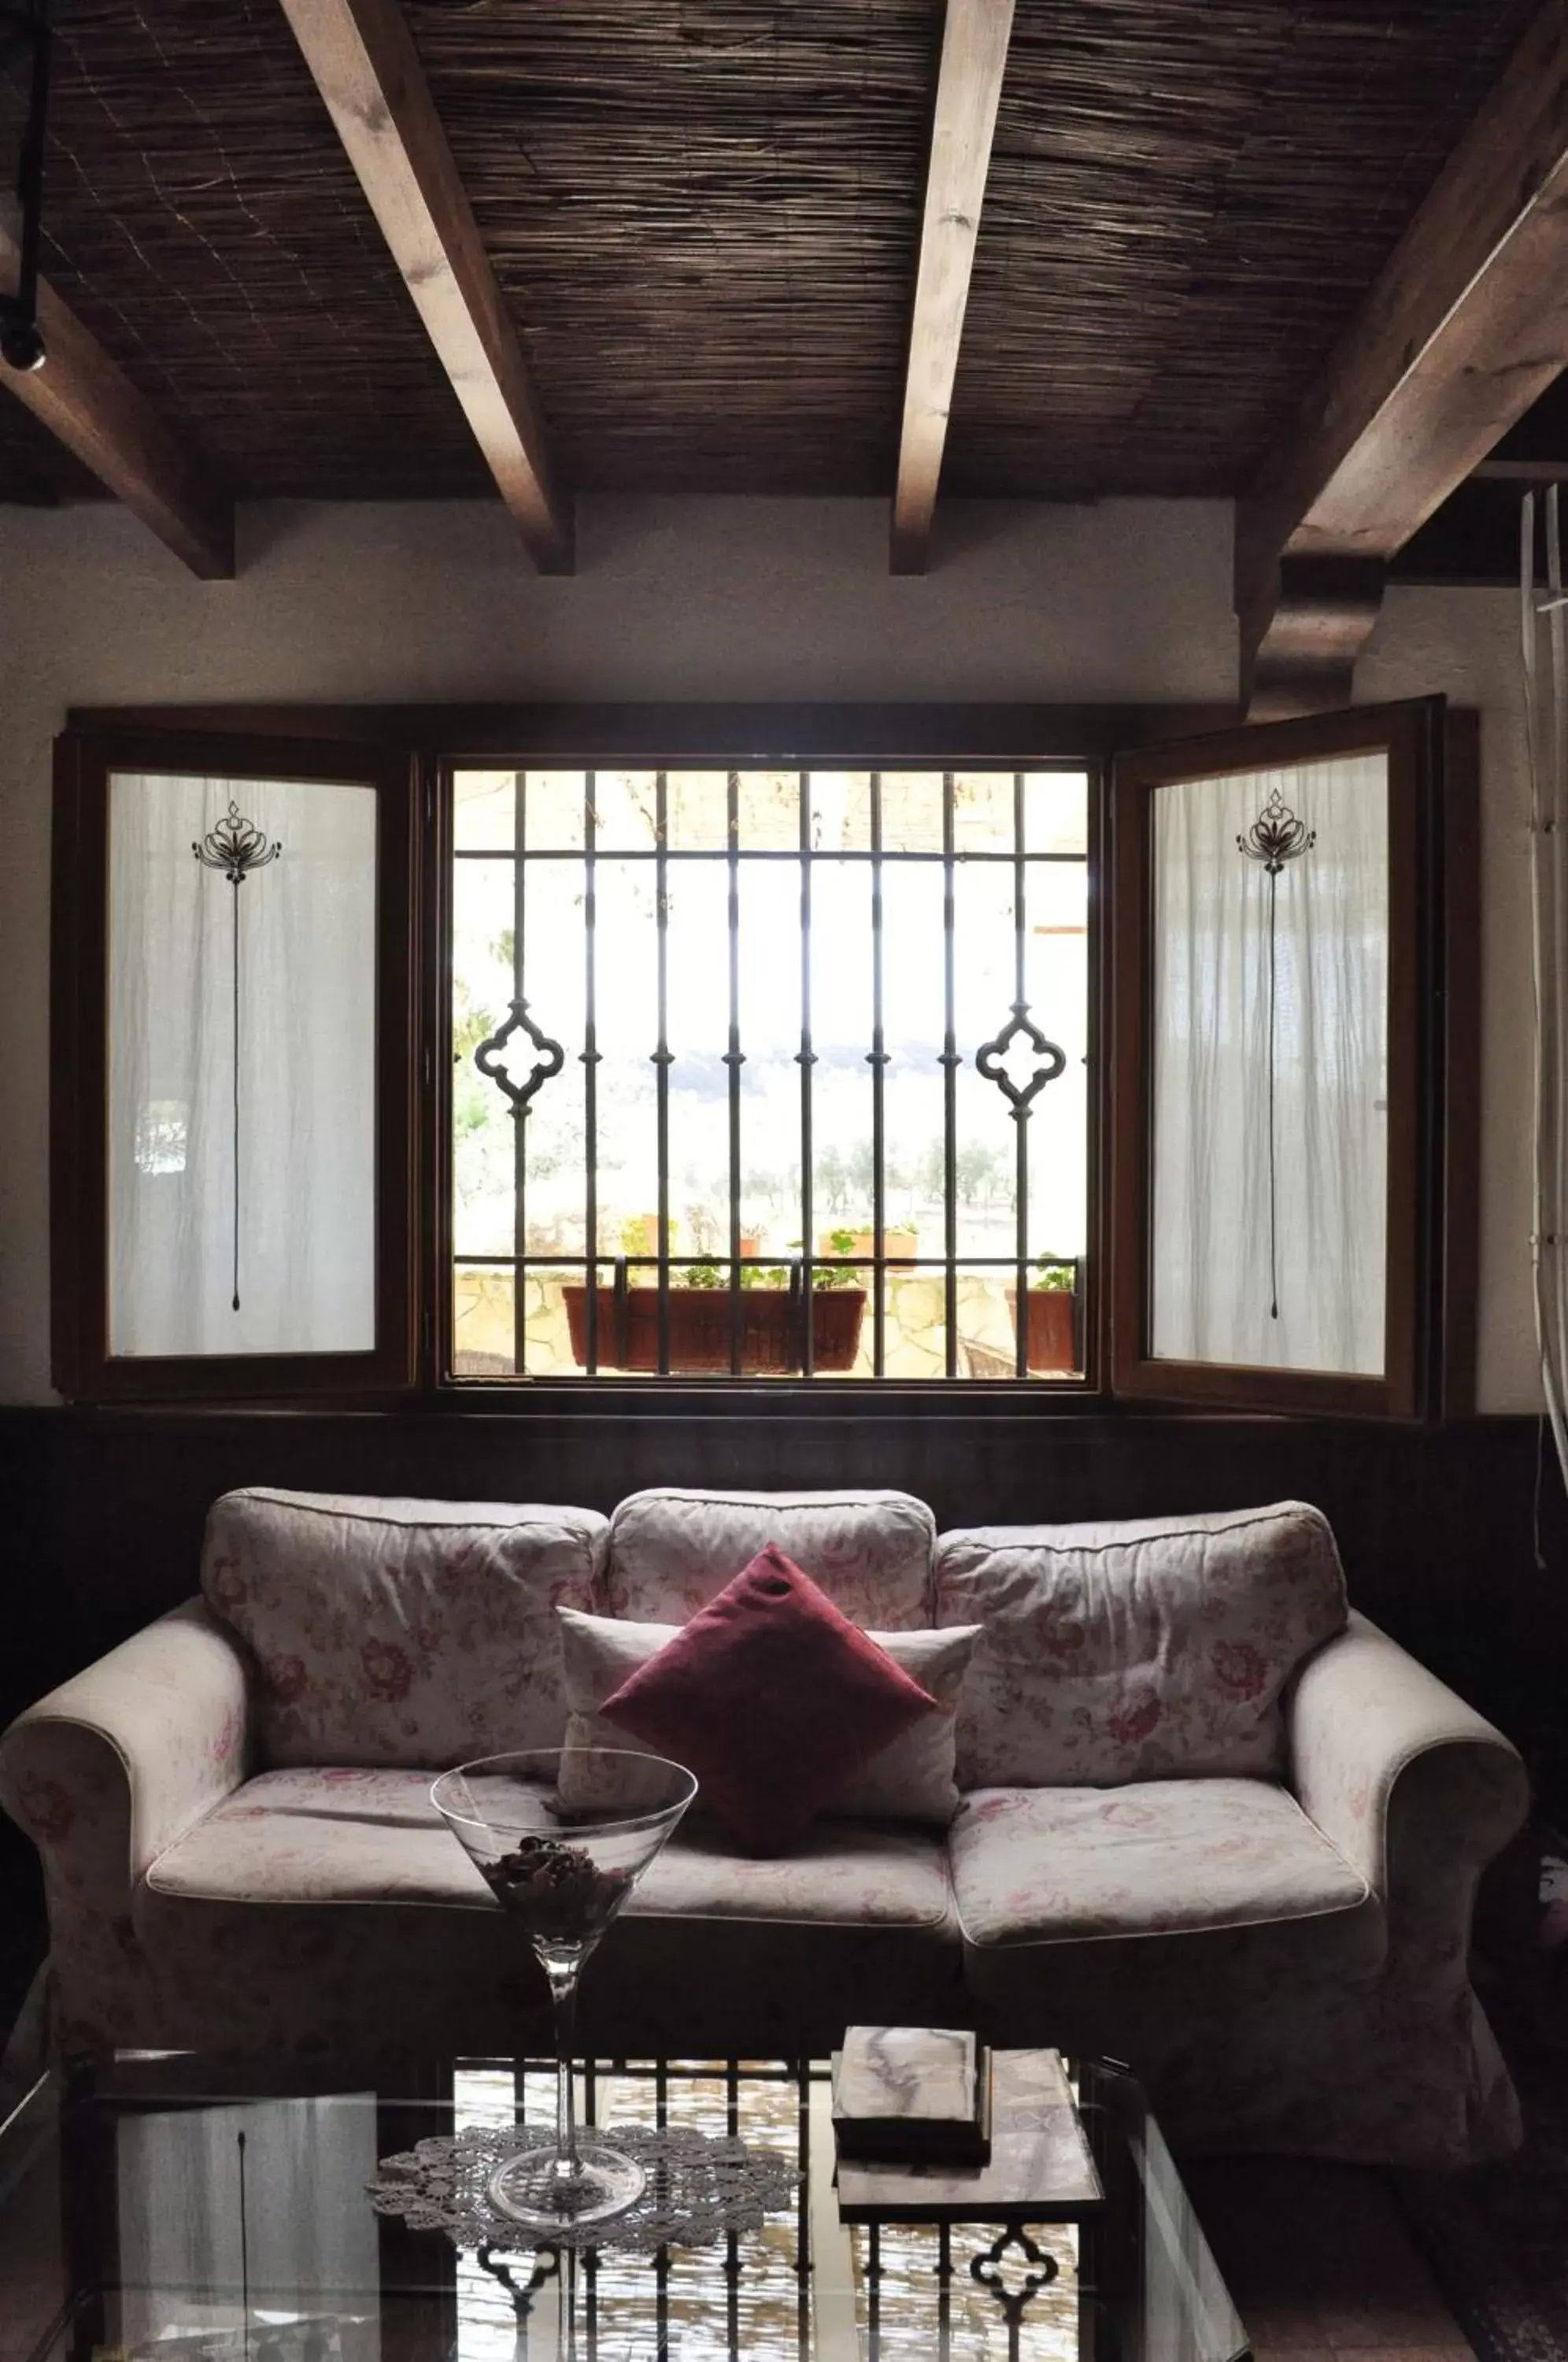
point(111, 1768)
point(1418, 1790)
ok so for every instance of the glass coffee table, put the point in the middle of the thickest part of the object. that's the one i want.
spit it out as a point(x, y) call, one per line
point(165, 2208)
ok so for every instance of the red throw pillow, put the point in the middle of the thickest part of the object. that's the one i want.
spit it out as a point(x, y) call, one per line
point(772, 1697)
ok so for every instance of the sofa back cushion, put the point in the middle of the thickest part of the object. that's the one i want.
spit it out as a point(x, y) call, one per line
point(1136, 1651)
point(671, 1550)
point(400, 1632)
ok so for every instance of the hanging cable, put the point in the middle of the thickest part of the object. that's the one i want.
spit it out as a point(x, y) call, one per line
point(1545, 748)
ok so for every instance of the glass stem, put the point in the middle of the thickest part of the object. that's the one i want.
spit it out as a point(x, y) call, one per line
point(563, 1971)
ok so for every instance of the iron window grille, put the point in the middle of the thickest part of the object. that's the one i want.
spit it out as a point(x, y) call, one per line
point(629, 1296)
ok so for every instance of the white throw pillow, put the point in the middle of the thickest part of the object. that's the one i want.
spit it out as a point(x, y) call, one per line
point(911, 1780)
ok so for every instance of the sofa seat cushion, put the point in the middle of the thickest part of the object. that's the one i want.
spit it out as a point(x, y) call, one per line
point(841, 1875)
point(315, 1909)
point(672, 1549)
point(399, 1632)
point(1042, 1866)
point(339, 1835)
point(1149, 1651)
point(348, 1837)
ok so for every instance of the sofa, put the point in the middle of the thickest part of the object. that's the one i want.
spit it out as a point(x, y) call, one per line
point(1207, 1819)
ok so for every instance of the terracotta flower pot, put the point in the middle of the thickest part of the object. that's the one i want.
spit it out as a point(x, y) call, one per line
point(1051, 1320)
point(699, 1328)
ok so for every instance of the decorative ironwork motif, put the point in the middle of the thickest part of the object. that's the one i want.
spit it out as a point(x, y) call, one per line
point(489, 1064)
point(235, 848)
point(700, 2188)
point(989, 1056)
point(1276, 838)
point(987, 2269)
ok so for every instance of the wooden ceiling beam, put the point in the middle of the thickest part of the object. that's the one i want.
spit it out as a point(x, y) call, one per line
point(87, 402)
point(1466, 325)
point(366, 67)
point(973, 57)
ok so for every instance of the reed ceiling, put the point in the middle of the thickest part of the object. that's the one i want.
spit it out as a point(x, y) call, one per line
point(705, 216)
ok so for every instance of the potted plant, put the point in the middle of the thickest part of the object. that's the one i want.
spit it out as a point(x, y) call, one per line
point(899, 1241)
point(1052, 1304)
point(699, 1322)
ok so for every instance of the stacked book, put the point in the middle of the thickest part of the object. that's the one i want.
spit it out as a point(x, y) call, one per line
point(912, 2095)
point(932, 2126)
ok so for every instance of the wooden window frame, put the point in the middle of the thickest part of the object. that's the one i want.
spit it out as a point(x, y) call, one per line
point(1432, 1176)
point(83, 1367)
point(405, 750)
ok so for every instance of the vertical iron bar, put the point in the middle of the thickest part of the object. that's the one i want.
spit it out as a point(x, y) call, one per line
point(878, 1062)
point(949, 1087)
point(1019, 1114)
point(519, 1123)
point(661, 1055)
point(803, 2257)
point(590, 1063)
point(732, 2244)
point(661, 2254)
point(734, 1061)
point(235, 884)
point(807, 1057)
point(943, 2291)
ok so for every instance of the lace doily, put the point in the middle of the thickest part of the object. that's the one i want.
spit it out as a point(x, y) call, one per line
point(700, 2187)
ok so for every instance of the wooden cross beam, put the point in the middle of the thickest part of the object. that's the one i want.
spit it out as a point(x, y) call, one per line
point(367, 70)
point(88, 404)
point(1466, 325)
point(973, 57)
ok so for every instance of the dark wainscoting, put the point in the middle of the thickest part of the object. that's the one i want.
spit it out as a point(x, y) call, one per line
point(104, 1509)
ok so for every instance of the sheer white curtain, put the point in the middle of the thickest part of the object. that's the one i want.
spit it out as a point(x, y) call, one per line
point(305, 1072)
point(308, 2246)
point(1242, 1203)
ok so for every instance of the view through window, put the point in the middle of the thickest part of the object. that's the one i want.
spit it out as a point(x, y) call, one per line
point(769, 1073)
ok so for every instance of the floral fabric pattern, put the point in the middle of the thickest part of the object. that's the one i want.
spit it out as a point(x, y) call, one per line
point(384, 1631)
point(310, 1910)
point(1050, 1865)
point(352, 1836)
point(910, 1780)
point(1137, 1652)
point(671, 1549)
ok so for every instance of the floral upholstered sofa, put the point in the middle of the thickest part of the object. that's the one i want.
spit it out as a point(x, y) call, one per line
point(1202, 1818)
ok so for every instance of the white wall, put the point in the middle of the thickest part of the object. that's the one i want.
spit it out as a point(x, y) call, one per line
point(724, 599)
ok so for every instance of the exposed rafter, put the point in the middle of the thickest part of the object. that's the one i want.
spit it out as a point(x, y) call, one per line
point(87, 402)
point(1464, 328)
point(973, 57)
point(362, 57)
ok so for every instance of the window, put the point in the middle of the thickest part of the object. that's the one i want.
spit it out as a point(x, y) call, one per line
point(732, 1045)
point(381, 1066)
point(1293, 1068)
point(234, 1061)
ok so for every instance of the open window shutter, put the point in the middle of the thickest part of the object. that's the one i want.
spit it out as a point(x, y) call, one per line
point(1285, 1211)
point(232, 1047)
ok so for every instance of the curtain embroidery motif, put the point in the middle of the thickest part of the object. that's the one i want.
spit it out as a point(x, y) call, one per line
point(235, 848)
point(1275, 838)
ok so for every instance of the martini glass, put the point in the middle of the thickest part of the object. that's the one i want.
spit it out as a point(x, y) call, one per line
point(561, 1837)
